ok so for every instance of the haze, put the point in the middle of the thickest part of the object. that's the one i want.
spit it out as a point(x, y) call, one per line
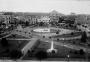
point(62, 6)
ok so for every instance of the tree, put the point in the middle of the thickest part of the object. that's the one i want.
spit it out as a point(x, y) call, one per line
point(84, 37)
point(60, 19)
point(1, 29)
point(15, 54)
point(30, 53)
point(40, 55)
point(14, 35)
point(41, 24)
point(8, 13)
point(72, 33)
point(4, 42)
point(57, 32)
point(50, 37)
point(79, 24)
point(27, 23)
point(57, 39)
point(81, 52)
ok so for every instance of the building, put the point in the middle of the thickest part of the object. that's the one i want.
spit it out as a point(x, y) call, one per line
point(33, 19)
point(54, 16)
point(36, 17)
point(5, 18)
point(45, 19)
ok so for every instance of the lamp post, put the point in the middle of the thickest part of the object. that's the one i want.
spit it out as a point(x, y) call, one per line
point(68, 57)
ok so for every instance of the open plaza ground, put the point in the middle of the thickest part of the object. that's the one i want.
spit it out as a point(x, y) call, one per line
point(20, 38)
point(29, 40)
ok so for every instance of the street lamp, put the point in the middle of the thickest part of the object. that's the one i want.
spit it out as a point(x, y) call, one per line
point(68, 56)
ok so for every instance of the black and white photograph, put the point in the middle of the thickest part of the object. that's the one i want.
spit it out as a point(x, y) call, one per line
point(44, 30)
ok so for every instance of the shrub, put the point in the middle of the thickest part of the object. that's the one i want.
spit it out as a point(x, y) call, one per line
point(81, 52)
point(40, 55)
point(15, 54)
point(4, 42)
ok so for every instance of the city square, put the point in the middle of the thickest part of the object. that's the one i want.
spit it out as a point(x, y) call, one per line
point(42, 31)
point(29, 39)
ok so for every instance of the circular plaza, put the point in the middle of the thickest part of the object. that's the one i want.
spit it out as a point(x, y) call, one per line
point(51, 31)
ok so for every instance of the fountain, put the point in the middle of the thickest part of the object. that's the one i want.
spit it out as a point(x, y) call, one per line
point(42, 30)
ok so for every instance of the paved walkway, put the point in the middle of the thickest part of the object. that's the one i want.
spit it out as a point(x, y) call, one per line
point(8, 34)
point(38, 61)
point(28, 46)
point(22, 33)
point(16, 39)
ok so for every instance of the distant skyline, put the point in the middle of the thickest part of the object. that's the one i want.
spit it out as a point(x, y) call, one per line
point(62, 6)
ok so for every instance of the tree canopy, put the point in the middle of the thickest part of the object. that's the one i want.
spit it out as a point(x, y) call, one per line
point(15, 54)
point(40, 55)
point(4, 42)
point(84, 37)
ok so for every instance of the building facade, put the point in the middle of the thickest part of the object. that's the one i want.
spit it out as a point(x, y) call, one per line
point(45, 19)
point(54, 16)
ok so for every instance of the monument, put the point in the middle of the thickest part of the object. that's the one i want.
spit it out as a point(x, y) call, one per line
point(52, 49)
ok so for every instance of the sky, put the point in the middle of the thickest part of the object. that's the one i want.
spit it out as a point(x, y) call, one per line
point(62, 6)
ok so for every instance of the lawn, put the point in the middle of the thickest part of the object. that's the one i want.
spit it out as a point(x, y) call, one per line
point(17, 36)
point(75, 42)
point(68, 35)
point(13, 44)
point(61, 54)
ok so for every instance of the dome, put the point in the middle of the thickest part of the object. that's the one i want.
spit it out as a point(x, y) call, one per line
point(55, 13)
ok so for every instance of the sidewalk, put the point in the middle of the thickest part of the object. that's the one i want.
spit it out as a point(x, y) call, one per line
point(37, 61)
